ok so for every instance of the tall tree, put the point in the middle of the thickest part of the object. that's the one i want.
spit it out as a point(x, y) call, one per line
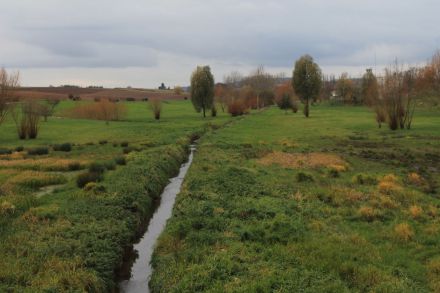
point(369, 88)
point(307, 80)
point(345, 88)
point(8, 83)
point(202, 89)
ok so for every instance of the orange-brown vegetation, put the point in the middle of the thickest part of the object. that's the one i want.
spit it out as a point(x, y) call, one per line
point(102, 110)
point(403, 232)
point(308, 160)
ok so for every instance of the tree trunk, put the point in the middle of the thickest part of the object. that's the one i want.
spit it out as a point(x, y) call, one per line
point(204, 114)
point(306, 108)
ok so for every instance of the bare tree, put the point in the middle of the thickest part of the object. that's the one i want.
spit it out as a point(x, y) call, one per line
point(8, 84)
point(261, 82)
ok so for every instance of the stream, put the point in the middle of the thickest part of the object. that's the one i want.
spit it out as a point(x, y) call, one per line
point(141, 269)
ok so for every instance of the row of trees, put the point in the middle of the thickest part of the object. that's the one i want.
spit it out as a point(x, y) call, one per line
point(260, 89)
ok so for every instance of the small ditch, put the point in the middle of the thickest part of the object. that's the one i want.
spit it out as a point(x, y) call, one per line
point(137, 268)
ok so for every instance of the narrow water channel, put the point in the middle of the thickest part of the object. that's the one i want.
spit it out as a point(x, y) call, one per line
point(141, 269)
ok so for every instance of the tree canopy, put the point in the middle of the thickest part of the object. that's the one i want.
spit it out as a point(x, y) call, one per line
point(202, 89)
point(306, 80)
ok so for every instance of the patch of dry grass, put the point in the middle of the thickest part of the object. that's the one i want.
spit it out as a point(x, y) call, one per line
point(389, 184)
point(415, 211)
point(307, 160)
point(43, 164)
point(33, 180)
point(403, 232)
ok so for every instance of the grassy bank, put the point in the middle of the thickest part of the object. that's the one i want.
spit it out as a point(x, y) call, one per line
point(280, 203)
point(57, 237)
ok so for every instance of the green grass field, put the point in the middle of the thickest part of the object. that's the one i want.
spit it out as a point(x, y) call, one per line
point(273, 202)
point(56, 237)
point(281, 203)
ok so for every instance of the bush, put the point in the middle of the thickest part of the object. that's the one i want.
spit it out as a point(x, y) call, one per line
point(214, 111)
point(333, 173)
point(5, 152)
point(156, 108)
point(130, 99)
point(74, 166)
point(97, 167)
point(65, 147)
point(102, 142)
point(124, 144)
point(38, 151)
point(128, 150)
point(237, 108)
point(103, 110)
point(110, 165)
point(19, 149)
point(84, 178)
point(364, 179)
point(7, 208)
point(120, 160)
point(304, 177)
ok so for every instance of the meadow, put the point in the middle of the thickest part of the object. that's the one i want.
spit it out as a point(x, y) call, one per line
point(280, 203)
point(58, 237)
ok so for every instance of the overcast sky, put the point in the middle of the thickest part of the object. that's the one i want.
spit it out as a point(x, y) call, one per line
point(142, 43)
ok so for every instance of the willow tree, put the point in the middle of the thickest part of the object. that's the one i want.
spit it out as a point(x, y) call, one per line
point(369, 88)
point(307, 80)
point(202, 89)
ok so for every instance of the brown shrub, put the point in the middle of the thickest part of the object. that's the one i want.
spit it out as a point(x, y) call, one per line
point(102, 110)
point(237, 107)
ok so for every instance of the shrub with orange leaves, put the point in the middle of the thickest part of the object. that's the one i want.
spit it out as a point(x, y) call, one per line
point(237, 107)
point(403, 232)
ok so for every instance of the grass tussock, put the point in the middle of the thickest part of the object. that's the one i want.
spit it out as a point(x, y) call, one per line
point(44, 164)
point(403, 232)
point(33, 180)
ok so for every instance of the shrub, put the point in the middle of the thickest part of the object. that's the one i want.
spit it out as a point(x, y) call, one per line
point(124, 144)
point(94, 187)
point(88, 177)
point(364, 179)
point(156, 108)
point(97, 167)
point(128, 150)
point(214, 111)
point(333, 173)
point(38, 151)
point(5, 152)
point(19, 149)
point(130, 99)
point(110, 165)
point(403, 232)
point(74, 166)
point(102, 142)
point(7, 208)
point(120, 160)
point(304, 177)
point(237, 108)
point(65, 147)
